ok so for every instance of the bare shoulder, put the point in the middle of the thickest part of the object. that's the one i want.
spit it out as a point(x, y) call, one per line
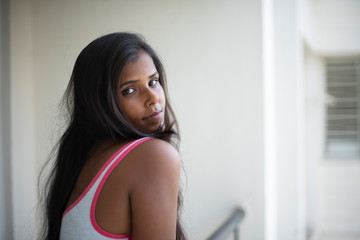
point(155, 158)
point(154, 190)
point(157, 150)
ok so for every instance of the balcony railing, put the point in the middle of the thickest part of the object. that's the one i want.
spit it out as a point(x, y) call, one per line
point(229, 226)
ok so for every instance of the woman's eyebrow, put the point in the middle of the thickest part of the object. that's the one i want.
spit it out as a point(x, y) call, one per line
point(128, 82)
point(134, 81)
point(154, 74)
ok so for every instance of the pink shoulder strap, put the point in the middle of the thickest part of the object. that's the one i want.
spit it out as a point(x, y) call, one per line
point(116, 159)
point(113, 162)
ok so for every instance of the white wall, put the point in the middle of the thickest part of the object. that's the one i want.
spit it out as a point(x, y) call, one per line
point(331, 27)
point(289, 128)
point(212, 53)
point(315, 112)
point(6, 225)
point(23, 174)
point(338, 201)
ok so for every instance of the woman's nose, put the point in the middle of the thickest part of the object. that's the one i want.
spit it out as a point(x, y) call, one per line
point(152, 98)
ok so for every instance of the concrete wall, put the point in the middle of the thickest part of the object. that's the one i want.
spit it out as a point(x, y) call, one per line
point(315, 112)
point(212, 54)
point(331, 27)
point(6, 226)
point(338, 202)
point(22, 110)
point(289, 126)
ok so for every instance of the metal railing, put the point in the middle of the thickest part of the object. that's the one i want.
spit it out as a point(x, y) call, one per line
point(229, 226)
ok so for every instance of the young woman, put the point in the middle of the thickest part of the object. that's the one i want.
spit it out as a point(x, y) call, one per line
point(116, 173)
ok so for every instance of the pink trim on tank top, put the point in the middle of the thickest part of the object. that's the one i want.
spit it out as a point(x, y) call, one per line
point(87, 189)
point(96, 226)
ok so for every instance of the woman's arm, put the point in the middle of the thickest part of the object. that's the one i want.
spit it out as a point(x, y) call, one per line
point(154, 191)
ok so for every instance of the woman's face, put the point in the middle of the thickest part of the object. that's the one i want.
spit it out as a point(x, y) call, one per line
point(142, 98)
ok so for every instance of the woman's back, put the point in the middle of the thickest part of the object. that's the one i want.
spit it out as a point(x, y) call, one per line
point(114, 192)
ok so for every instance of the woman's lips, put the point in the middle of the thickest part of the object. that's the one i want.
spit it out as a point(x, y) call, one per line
point(154, 116)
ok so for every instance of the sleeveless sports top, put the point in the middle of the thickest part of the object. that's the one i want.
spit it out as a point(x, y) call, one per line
point(78, 221)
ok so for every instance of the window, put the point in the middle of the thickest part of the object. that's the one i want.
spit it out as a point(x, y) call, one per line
point(343, 108)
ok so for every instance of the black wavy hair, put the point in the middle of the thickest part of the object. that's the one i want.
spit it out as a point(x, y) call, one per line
point(93, 112)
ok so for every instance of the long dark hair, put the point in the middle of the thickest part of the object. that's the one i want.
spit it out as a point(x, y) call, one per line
point(93, 111)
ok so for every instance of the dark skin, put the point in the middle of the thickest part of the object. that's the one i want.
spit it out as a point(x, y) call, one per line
point(140, 195)
point(141, 95)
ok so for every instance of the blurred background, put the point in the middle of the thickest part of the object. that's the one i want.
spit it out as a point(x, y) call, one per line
point(267, 94)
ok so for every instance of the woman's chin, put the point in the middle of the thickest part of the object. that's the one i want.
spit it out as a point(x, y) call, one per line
point(160, 127)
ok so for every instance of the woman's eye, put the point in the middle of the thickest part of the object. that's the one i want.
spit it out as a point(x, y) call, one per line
point(153, 82)
point(128, 91)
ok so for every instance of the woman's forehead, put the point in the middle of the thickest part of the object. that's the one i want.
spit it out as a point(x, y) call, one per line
point(142, 67)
